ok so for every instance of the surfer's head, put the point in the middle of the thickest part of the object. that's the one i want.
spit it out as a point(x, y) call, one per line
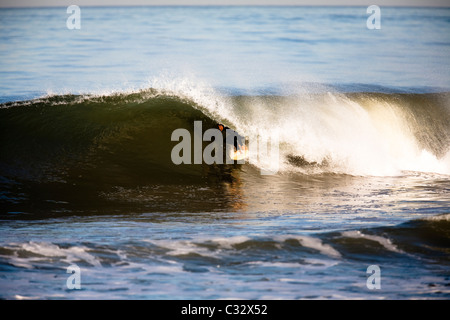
point(220, 126)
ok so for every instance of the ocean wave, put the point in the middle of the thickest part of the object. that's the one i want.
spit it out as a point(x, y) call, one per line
point(349, 133)
point(30, 254)
point(96, 145)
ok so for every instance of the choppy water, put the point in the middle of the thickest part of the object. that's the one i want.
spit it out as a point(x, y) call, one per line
point(362, 176)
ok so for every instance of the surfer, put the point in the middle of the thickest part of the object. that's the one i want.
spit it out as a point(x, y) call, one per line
point(238, 141)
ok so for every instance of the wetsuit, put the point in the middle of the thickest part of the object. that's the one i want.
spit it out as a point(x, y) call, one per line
point(238, 140)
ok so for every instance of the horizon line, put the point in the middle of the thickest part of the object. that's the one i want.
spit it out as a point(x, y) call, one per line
point(219, 5)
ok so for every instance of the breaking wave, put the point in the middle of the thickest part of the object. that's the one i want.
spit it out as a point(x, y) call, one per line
point(68, 143)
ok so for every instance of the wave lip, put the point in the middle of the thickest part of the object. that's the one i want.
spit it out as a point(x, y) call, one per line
point(438, 218)
point(41, 251)
point(385, 242)
point(312, 243)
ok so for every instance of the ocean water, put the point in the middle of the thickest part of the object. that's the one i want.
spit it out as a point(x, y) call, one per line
point(362, 121)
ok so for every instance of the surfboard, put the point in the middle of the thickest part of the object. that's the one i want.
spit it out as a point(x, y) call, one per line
point(239, 154)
